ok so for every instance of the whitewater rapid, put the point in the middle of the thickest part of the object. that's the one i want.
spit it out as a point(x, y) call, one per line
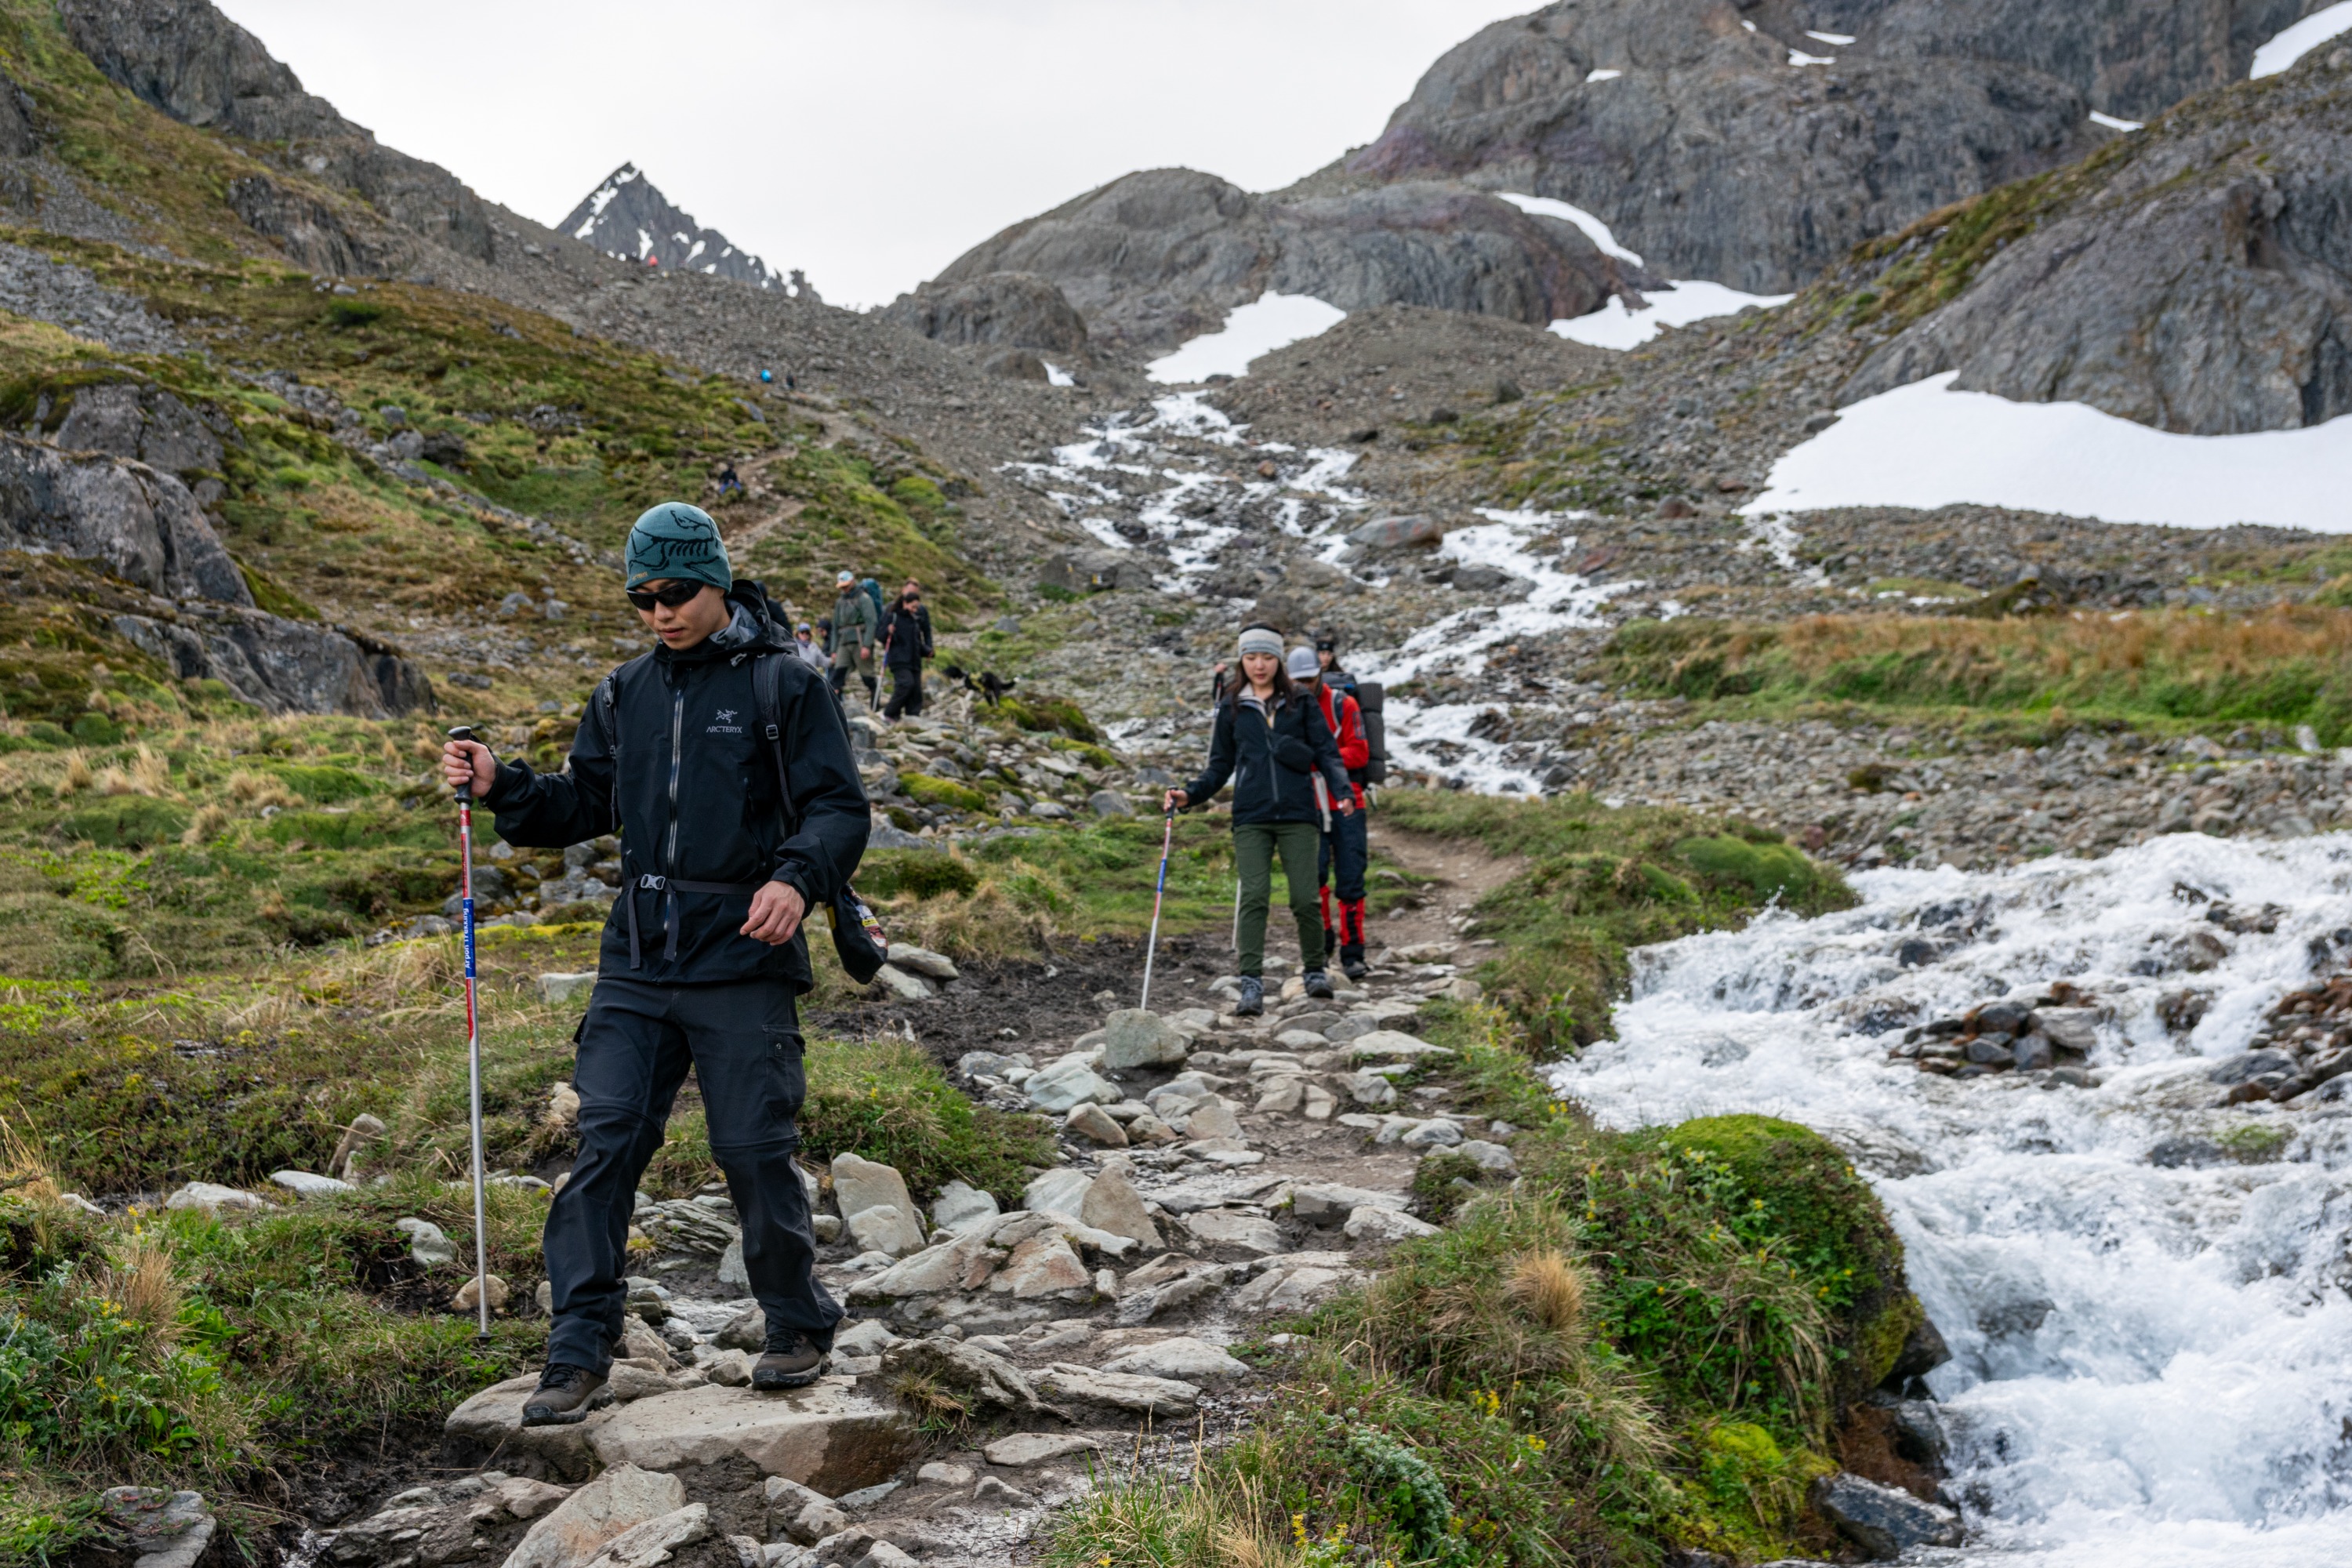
point(2152, 1358)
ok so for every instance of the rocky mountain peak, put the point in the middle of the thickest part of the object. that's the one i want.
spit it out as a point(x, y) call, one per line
point(627, 216)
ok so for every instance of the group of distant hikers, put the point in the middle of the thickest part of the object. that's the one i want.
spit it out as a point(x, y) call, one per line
point(722, 761)
point(861, 631)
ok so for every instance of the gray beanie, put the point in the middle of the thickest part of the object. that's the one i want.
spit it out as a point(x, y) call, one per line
point(678, 540)
point(1258, 640)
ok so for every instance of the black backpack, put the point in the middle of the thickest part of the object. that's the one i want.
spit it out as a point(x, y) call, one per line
point(1367, 694)
point(857, 938)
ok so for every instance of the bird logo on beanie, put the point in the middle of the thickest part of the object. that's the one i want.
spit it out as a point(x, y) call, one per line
point(675, 541)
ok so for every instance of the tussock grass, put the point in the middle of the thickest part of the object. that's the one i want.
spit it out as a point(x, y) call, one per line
point(2281, 665)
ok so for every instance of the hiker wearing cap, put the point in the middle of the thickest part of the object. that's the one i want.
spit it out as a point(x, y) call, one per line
point(1270, 739)
point(906, 643)
point(1343, 855)
point(812, 651)
point(855, 627)
point(721, 759)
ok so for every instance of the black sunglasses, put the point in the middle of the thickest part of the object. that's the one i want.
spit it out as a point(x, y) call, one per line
point(675, 595)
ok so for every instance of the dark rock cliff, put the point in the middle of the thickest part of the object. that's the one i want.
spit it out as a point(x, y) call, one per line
point(2196, 277)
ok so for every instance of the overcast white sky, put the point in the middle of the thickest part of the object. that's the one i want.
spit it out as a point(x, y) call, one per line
point(870, 141)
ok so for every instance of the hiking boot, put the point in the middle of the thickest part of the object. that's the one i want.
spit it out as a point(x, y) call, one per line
point(1251, 1001)
point(1318, 984)
point(1351, 962)
point(566, 1394)
point(790, 1362)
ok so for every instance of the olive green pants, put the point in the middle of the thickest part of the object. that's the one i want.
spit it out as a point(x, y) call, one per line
point(1254, 846)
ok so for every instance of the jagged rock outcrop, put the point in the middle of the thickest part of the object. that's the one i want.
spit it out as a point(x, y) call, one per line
point(625, 216)
point(18, 139)
point(2197, 278)
point(138, 522)
point(279, 665)
point(1707, 149)
point(1006, 310)
point(1157, 257)
point(196, 65)
point(142, 525)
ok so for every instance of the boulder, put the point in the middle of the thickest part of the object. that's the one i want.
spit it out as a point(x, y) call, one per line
point(653, 1541)
point(1883, 1521)
point(1233, 1231)
point(1397, 532)
point(469, 1294)
point(1062, 1192)
point(689, 1225)
point(308, 1184)
point(139, 523)
point(163, 1529)
point(860, 1184)
point(964, 1264)
point(1111, 1204)
point(491, 1422)
point(961, 1208)
point(1042, 1266)
point(1158, 1397)
point(1024, 1449)
point(615, 1503)
point(1213, 1118)
point(1089, 571)
point(1182, 1358)
point(279, 665)
point(904, 984)
point(1071, 1080)
point(1435, 1133)
point(214, 1199)
point(1374, 1227)
point(1095, 1125)
point(886, 1227)
point(1322, 1202)
point(923, 961)
point(980, 1380)
point(1133, 1037)
point(824, 1436)
point(427, 1245)
point(1292, 1288)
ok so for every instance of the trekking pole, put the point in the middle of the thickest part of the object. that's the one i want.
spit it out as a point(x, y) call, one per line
point(473, 1043)
point(1151, 946)
point(881, 668)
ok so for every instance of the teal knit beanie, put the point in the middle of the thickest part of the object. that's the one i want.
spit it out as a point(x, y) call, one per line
point(675, 540)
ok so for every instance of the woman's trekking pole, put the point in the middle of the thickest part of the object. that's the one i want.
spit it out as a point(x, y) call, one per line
point(1152, 947)
point(473, 1042)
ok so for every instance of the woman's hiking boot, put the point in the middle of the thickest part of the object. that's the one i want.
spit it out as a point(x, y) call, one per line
point(1251, 1001)
point(1318, 984)
point(789, 1361)
point(566, 1394)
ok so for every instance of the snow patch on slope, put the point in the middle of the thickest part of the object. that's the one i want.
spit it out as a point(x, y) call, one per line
point(1926, 445)
point(1269, 323)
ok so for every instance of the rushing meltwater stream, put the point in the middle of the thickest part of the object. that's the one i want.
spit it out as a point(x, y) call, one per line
point(2145, 1293)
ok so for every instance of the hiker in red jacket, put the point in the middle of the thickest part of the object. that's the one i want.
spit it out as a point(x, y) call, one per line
point(1340, 863)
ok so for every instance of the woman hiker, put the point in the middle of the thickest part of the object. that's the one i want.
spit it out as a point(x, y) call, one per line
point(906, 643)
point(1271, 741)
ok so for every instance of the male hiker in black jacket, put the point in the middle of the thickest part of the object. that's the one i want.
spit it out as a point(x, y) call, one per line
point(703, 954)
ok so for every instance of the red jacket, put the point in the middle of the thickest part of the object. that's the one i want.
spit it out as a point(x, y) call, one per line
point(1346, 723)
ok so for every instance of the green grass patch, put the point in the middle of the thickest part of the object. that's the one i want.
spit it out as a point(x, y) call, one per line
point(1602, 881)
point(2174, 669)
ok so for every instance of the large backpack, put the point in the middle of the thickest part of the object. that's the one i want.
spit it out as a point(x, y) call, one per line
point(873, 592)
point(1376, 730)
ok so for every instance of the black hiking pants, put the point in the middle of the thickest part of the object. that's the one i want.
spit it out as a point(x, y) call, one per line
point(905, 691)
point(742, 1038)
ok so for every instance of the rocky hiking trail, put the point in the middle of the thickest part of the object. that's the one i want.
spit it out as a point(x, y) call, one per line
point(1218, 1175)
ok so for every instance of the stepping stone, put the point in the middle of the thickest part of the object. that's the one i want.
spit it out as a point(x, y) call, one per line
point(308, 1184)
point(1159, 1397)
point(826, 1435)
point(1320, 1202)
point(1377, 1226)
point(1248, 1233)
point(1183, 1358)
point(615, 1503)
point(1112, 1205)
point(1135, 1038)
point(959, 1208)
point(1062, 1192)
point(1024, 1449)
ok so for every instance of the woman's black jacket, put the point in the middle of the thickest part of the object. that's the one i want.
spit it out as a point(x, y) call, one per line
point(906, 636)
point(1272, 755)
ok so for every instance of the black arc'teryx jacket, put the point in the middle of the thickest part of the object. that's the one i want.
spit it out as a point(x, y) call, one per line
point(1272, 755)
point(692, 789)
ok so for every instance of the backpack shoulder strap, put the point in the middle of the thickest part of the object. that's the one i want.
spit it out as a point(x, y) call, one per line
point(606, 704)
point(767, 692)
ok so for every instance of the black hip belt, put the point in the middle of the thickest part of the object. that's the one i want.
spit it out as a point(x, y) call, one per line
point(648, 883)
